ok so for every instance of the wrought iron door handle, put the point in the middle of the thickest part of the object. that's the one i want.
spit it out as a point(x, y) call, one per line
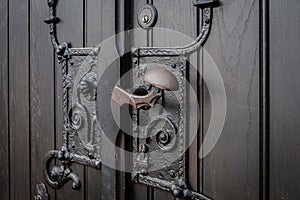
point(158, 78)
point(122, 97)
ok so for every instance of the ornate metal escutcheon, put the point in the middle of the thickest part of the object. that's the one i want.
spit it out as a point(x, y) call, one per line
point(81, 133)
point(159, 74)
point(160, 142)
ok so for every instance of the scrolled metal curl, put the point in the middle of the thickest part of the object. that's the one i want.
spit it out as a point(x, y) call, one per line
point(59, 175)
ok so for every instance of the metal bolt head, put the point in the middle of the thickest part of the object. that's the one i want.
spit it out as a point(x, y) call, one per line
point(50, 3)
point(172, 173)
point(143, 148)
point(144, 172)
point(180, 173)
point(178, 193)
point(146, 19)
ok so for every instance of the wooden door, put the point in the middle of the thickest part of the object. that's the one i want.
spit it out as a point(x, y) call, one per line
point(253, 43)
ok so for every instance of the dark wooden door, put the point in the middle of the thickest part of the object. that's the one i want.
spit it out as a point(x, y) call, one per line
point(254, 44)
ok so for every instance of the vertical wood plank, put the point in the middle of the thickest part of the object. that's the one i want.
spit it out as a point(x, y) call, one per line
point(100, 30)
point(42, 97)
point(201, 91)
point(70, 29)
point(285, 99)
point(4, 131)
point(231, 169)
point(264, 104)
point(100, 26)
point(194, 166)
point(19, 100)
point(177, 16)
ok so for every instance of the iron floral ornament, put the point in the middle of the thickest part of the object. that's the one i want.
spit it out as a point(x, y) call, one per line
point(81, 133)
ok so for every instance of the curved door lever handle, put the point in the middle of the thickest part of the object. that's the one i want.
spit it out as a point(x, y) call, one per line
point(159, 79)
point(121, 96)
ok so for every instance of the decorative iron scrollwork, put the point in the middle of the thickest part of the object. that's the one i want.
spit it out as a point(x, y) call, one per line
point(79, 92)
point(59, 175)
point(81, 132)
point(88, 86)
point(172, 173)
point(42, 193)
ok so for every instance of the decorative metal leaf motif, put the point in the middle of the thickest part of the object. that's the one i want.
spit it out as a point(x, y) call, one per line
point(88, 86)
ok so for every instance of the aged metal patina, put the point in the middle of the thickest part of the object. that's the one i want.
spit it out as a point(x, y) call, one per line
point(80, 131)
point(165, 133)
point(159, 76)
point(41, 192)
point(159, 79)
